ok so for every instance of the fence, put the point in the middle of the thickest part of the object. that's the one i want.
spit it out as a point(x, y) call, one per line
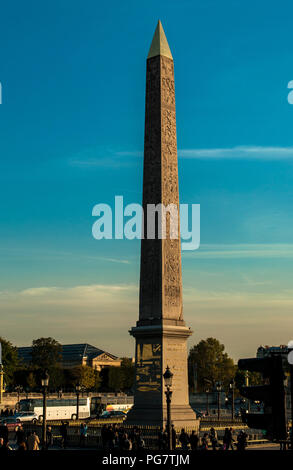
point(148, 433)
point(94, 433)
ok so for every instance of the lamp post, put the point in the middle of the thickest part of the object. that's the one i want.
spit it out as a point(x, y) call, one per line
point(45, 383)
point(207, 396)
point(77, 391)
point(290, 349)
point(168, 376)
point(18, 389)
point(1, 375)
point(1, 382)
point(231, 386)
point(218, 388)
point(246, 385)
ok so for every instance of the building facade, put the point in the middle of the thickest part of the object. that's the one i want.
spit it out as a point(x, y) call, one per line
point(73, 355)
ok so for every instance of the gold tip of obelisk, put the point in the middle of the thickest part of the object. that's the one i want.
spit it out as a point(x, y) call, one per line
point(159, 44)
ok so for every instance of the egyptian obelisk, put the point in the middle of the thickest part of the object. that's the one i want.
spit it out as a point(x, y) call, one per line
point(160, 333)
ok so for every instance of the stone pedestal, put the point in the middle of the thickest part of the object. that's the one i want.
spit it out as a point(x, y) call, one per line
point(156, 347)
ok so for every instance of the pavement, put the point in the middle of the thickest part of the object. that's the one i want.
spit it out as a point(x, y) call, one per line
point(269, 446)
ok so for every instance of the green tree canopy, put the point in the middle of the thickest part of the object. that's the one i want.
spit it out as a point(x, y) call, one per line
point(46, 353)
point(117, 379)
point(9, 360)
point(210, 363)
point(83, 375)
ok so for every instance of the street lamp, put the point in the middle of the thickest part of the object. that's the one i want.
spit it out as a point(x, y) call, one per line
point(168, 376)
point(45, 383)
point(231, 386)
point(1, 381)
point(18, 389)
point(207, 395)
point(77, 391)
point(219, 389)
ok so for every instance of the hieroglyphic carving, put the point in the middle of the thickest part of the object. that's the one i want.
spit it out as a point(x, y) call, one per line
point(148, 367)
point(160, 277)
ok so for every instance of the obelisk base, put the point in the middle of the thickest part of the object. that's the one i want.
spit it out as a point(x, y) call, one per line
point(181, 417)
point(158, 346)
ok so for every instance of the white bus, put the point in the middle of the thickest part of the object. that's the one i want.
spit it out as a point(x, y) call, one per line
point(63, 408)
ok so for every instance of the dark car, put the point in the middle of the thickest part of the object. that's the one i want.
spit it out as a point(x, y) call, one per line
point(11, 422)
point(112, 414)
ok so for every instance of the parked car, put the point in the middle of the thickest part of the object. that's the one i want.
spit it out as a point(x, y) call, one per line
point(112, 414)
point(26, 416)
point(12, 423)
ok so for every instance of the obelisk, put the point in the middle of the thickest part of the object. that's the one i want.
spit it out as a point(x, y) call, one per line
point(160, 333)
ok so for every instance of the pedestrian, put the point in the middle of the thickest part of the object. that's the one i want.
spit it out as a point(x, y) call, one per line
point(174, 437)
point(165, 441)
point(33, 441)
point(183, 439)
point(104, 435)
point(225, 439)
point(241, 440)
point(230, 439)
point(83, 434)
point(50, 437)
point(110, 437)
point(63, 432)
point(160, 439)
point(4, 432)
point(22, 446)
point(4, 447)
point(213, 438)
point(193, 439)
point(126, 442)
point(204, 442)
point(20, 435)
point(140, 444)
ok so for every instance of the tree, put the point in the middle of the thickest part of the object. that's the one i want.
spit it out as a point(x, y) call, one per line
point(9, 360)
point(46, 353)
point(211, 364)
point(83, 375)
point(115, 379)
point(128, 371)
point(26, 377)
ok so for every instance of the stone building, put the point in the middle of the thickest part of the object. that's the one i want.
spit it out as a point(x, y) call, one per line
point(77, 355)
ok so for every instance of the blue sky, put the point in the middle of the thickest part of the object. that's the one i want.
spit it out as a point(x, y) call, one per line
point(71, 136)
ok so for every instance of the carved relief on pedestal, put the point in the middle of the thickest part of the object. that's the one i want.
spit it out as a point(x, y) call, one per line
point(148, 367)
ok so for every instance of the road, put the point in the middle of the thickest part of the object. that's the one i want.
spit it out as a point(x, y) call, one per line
point(264, 447)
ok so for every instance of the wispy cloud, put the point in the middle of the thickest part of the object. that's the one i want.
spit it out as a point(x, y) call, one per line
point(241, 251)
point(89, 291)
point(104, 158)
point(59, 255)
point(99, 158)
point(239, 152)
point(101, 314)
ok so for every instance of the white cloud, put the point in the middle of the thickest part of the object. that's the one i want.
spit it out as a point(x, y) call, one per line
point(241, 251)
point(97, 158)
point(102, 314)
point(239, 152)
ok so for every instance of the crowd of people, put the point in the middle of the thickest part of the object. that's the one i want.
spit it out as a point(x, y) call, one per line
point(118, 437)
point(24, 441)
point(194, 442)
point(121, 438)
point(7, 412)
